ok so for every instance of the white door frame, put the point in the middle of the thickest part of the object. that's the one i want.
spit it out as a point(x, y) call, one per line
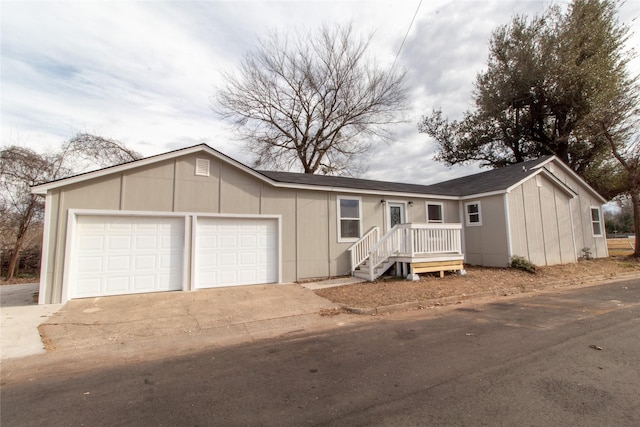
point(403, 212)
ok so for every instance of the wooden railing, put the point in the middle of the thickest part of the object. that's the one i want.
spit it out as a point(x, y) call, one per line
point(360, 249)
point(413, 240)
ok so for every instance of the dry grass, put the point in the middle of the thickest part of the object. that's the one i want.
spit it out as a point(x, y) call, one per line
point(477, 280)
point(621, 247)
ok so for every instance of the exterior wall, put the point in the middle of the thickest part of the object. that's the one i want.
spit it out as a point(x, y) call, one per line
point(310, 246)
point(487, 244)
point(196, 193)
point(581, 215)
point(540, 224)
point(137, 184)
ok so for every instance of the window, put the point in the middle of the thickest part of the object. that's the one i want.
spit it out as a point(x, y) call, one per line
point(472, 213)
point(596, 224)
point(349, 219)
point(434, 212)
point(202, 167)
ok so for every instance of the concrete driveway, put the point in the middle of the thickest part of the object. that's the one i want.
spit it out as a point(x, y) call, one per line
point(20, 316)
point(219, 316)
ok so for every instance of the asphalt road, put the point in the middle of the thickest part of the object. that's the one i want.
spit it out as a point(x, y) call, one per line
point(513, 361)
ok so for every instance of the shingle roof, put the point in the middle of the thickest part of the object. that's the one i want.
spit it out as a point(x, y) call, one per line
point(344, 182)
point(483, 182)
point(489, 181)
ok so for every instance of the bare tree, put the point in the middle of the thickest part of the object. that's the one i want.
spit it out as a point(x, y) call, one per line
point(20, 168)
point(311, 101)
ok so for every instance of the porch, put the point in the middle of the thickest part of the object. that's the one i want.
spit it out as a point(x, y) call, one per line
point(413, 248)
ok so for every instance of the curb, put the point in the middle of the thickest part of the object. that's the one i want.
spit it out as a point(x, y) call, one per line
point(457, 299)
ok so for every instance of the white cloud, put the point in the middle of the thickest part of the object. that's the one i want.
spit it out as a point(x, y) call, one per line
point(143, 72)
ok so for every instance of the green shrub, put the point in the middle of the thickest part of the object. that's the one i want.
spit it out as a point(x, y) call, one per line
point(523, 264)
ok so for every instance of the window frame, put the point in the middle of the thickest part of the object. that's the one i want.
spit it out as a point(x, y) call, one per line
point(430, 221)
point(467, 215)
point(599, 221)
point(340, 218)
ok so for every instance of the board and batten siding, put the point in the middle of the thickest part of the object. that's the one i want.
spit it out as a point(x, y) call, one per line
point(536, 208)
point(309, 241)
point(581, 215)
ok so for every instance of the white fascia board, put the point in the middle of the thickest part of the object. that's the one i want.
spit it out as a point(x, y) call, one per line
point(360, 191)
point(561, 185)
point(573, 174)
point(478, 195)
point(43, 188)
point(106, 212)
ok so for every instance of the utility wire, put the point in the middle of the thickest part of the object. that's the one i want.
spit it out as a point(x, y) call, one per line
point(405, 36)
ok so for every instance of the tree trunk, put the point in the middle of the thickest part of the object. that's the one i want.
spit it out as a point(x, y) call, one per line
point(635, 201)
point(23, 227)
point(13, 261)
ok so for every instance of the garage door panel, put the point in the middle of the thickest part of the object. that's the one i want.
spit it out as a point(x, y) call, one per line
point(146, 242)
point(232, 251)
point(90, 285)
point(145, 262)
point(116, 285)
point(123, 254)
point(90, 263)
point(142, 282)
point(116, 243)
point(90, 243)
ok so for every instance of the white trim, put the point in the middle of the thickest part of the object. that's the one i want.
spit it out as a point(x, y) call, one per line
point(339, 217)
point(592, 222)
point(557, 162)
point(426, 211)
point(387, 208)
point(189, 221)
point(69, 249)
point(507, 218)
point(44, 261)
point(462, 231)
point(194, 246)
point(564, 187)
point(43, 188)
point(479, 213)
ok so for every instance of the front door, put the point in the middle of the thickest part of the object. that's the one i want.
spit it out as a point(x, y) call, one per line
point(396, 214)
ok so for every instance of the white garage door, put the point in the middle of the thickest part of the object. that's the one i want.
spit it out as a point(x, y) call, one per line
point(238, 251)
point(115, 255)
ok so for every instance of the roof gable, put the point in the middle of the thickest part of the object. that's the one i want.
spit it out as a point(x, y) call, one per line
point(43, 188)
point(493, 181)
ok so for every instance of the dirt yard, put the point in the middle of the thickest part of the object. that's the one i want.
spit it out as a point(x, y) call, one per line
point(477, 280)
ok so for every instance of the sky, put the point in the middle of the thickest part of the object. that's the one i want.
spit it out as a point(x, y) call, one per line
point(145, 72)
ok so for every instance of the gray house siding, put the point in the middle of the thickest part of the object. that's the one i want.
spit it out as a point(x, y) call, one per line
point(487, 244)
point(537, 211)
point(535, 219)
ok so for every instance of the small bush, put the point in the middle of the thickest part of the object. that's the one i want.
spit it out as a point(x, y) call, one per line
point(523, 264)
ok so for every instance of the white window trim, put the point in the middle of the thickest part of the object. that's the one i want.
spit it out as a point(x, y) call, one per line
point(591, 208)
point(466, 214)
point(338, 218)
point(426, 208)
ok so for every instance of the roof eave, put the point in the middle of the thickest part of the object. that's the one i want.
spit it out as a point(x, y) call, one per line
point(573, 174)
